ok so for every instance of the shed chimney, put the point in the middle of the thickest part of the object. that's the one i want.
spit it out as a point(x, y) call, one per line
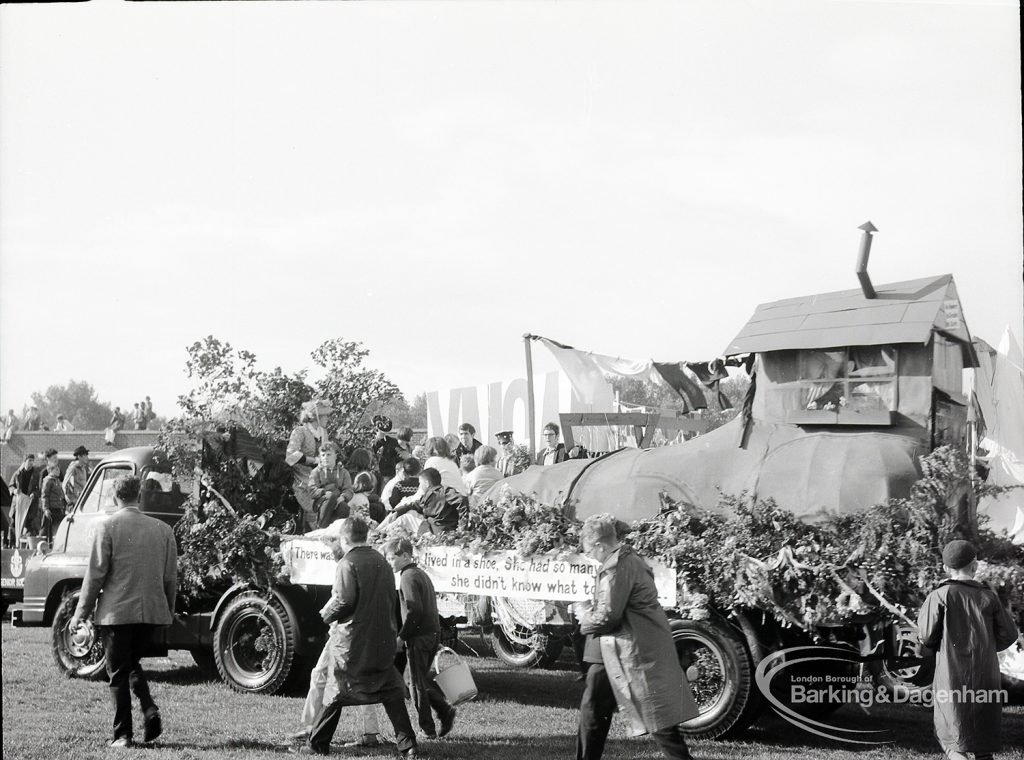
point(862, 259)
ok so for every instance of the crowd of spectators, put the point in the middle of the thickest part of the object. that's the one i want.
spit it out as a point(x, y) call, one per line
point(41, 494)
point(142, 417)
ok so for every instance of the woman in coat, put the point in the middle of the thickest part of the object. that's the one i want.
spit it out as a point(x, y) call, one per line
point(303, 451)
point(629, 645)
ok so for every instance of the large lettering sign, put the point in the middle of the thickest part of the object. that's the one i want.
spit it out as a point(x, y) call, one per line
point(501, 406)
point(548, 577)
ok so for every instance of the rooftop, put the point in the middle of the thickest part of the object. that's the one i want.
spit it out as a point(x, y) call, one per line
point(902, 312)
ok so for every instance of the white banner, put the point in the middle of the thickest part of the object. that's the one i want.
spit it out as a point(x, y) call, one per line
point(452, 569)
point(308, 561)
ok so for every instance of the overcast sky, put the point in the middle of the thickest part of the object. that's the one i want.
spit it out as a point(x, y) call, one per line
point(436, 179)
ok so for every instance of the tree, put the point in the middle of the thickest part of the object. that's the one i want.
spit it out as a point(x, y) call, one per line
point(356, 392)
point(229, 387)
point(231, 531)
point(77, 401)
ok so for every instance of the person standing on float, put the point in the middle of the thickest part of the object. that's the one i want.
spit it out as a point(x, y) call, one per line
point(303, 454)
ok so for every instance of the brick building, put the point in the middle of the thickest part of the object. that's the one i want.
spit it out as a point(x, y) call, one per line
point(12, 454)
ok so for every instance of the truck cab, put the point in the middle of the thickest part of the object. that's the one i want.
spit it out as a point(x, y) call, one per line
point(48, 575)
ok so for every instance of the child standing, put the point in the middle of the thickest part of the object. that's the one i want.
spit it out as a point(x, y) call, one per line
point(420, 634)
point(965, 622)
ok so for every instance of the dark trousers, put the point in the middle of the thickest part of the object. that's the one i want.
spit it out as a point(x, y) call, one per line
point(51, 519)
point(419, 653)
point(125, 646)
point(579, 646)
point(327, 722)
point(596, 710)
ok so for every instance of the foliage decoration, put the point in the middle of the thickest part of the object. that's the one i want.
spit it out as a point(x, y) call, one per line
point(879, 563)
point(228, 443)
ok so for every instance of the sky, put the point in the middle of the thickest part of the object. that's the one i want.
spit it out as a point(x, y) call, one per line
point(435, 179)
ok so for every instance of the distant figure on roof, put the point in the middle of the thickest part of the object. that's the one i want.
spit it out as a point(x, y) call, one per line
point(116, 424)
point(140, 417)
point(32, 420)
point(8, 426)
point(63, 424)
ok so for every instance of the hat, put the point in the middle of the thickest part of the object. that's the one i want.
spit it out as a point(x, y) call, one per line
point(959, 554)
point(382, 423)
point(504, 436)
point(80, 450)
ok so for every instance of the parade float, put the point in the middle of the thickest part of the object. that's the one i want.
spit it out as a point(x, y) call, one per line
point(815, 518)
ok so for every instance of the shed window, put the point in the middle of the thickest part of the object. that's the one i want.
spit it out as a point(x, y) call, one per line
point(855, 379)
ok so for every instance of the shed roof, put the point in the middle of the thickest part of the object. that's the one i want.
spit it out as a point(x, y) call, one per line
point(902, 312)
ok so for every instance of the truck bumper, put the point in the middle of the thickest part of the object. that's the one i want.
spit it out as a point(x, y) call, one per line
point(28, 614)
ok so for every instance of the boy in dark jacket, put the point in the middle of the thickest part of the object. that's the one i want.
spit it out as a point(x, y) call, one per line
point(966, 624)
point(437, 505)
point(420, 635)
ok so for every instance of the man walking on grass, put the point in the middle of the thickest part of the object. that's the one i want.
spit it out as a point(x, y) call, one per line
point(363, 644)
point(134, 563)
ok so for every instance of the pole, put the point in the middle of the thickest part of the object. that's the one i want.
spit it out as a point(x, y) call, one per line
point(972, 458)
point(529, 396)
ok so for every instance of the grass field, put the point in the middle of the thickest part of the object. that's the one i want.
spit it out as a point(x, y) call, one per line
point(519, 715)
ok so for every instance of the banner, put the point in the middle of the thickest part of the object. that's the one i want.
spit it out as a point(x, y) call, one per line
point(547, 577)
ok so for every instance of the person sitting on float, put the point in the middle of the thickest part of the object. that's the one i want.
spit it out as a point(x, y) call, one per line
point(433, 508)
point(331, 488)
point(438, 455)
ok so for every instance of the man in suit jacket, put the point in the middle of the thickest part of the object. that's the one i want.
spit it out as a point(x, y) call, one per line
point(555, 451)
point(134, 563)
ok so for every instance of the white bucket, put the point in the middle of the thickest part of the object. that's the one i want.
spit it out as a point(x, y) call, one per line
point(455, 679)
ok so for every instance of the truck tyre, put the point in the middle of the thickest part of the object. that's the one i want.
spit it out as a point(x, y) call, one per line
point(523, 647)
point(78, 654)
point(914, 680)
point(254, 644)
point(721, 675)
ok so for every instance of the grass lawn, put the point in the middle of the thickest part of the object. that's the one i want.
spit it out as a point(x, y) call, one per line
point(519, 715)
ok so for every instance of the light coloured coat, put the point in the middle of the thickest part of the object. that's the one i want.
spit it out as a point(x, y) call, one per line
point(135, 564)
point(636, 645)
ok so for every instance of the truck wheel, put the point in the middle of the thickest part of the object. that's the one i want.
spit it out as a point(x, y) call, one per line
point(522, 647)
point(78, 654)
point(914, 679)
point(254, 644)
point(721, 675)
